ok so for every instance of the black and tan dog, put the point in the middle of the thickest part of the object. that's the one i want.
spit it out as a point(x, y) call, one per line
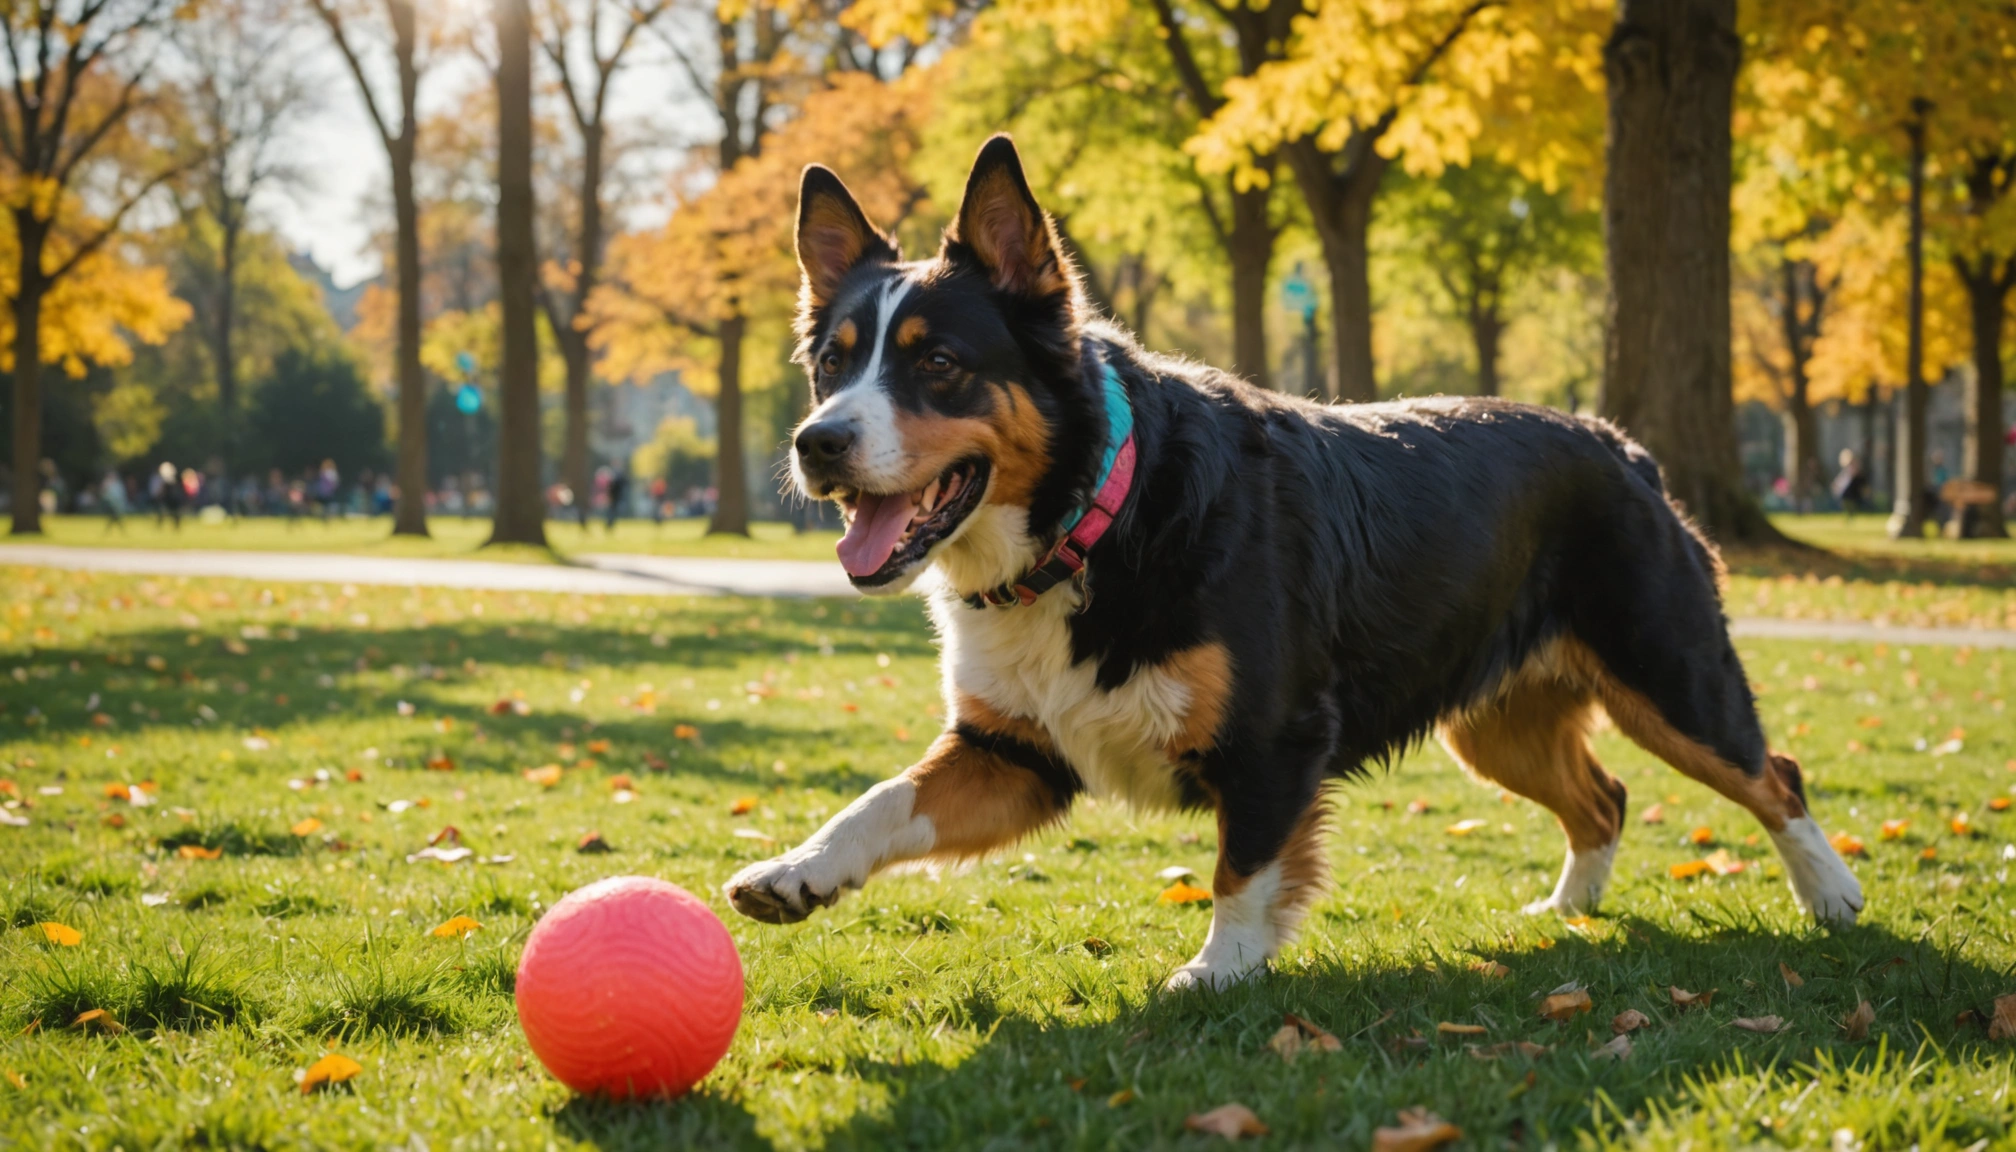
point(1153, 581)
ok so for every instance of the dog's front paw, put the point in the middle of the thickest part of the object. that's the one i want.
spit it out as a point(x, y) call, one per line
point(781, 891)
point(1202, 973)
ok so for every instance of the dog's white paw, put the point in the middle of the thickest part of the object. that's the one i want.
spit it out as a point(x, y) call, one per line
point(1202, 973)
point(1822, 885)
point(785, 890)
point(1584, 875)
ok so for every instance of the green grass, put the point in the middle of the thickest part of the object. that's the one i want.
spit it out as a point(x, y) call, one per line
point(1011, 1004)
point(452, 538)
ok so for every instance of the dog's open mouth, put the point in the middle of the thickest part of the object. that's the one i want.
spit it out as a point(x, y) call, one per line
point(888, 532)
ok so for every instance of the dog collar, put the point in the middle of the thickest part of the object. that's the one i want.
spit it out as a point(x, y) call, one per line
point(1084, 526)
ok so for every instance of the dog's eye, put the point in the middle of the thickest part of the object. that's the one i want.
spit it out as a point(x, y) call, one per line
point(940, 362)
point(830, 364)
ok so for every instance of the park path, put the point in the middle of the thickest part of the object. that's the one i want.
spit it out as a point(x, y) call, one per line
point(622, 574)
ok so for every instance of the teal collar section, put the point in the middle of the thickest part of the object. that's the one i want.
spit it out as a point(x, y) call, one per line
point(1119, 426)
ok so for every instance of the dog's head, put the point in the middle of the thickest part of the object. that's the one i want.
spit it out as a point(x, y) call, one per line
point(952, 420)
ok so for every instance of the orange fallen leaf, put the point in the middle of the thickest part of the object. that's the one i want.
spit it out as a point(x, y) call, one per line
point(1687, 869)
point(1418, 1131)
point(449, 834)
point(593, 843)
point(1961, 825)
point(96, 1019)
point(598, 747)
point(1445, 1028)
point(354, 775)
point(1683, 999)
point(198, 852)
point(685, 732)
point(1629, 1020)
point(1930, 853)
point(501, 708)
point(1870, 721)
point(1182, 893)
point(1848, 844)
point(1892, 829)
point(621, 783)
point(1791, 977)
point(1856, 1024)
point(1656, 814)
point(1701, 835)
point(458, 926)
point(1231, 1121)
point(742, 806)
point(440, 764)
point(19, 1081)
point(1419, 808)
point(1564, 1005)
point(1723, 864)
point(114, 820)
point(61, 934)
point(1998, 804)
point(307, 827)
point(2003, 1026)
point(331, 1069)
point(545, 776)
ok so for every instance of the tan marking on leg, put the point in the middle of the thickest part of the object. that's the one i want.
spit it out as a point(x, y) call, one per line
point(1206, 671)
point(1533, 740)
point(911, 331)
point(976, 801)
point(1305, 869)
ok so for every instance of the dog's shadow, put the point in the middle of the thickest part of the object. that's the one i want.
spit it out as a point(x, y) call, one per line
point(1130, 1079)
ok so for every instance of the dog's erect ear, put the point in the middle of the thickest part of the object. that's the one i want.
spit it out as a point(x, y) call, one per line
point(834, 236)
point(1006, 232)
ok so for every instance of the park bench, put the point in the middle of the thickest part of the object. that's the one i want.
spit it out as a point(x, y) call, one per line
point(1962, 496)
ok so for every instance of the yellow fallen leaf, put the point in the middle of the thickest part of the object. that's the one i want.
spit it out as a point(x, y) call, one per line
point(1228, 1120)
point(1418, 1131)
point(1564, 1005)
point(61, 934)
point(19, 1081)
point(331, 1069)
point(1445, 1028)
point(1688, 868)
point(456, 926)
point(98, 1020)
point(1848, 844)
point(1182, 893)
point(1683, 999)
point(546, 776)
point(307, 827)
point(742, 806)
point(1465, 827)
point(1856, 1024)
point(1120, 1098)
point(1723, 864)
point(1892, 829)
point(198, 852)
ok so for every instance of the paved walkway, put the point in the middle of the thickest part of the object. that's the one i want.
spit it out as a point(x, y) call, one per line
point(630, 575)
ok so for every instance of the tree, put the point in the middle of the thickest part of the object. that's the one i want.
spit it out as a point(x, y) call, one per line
point(84, 110)
point(247, 90)
point(316, 406)
point(1672, 67)
point(521, 510)
point(392, 104)
point(1988, 275)
point(587, 54)
point(1779, 309)
point(1481, 232)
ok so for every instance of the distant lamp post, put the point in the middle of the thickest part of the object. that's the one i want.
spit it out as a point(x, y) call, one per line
point(1299, 295)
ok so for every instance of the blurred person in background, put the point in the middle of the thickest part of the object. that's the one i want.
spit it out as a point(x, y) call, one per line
point(1851, 484)
point(112, 494)
point(165, 490)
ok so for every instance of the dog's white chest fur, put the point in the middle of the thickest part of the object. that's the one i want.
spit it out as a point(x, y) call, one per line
point(1018, 661)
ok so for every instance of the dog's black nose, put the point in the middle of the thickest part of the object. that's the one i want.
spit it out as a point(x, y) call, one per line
point(825, 442)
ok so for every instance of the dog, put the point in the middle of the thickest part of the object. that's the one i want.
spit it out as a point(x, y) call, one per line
point(1156, 582)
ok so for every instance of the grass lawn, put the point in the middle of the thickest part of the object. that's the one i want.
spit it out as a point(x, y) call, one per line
point(291, 730)
point(452, 538)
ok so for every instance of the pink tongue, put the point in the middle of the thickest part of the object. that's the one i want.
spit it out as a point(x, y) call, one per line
point(878, 524)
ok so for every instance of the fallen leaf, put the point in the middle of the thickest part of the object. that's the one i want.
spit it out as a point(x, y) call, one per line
point(1930, 853)
point(742, 806)
point(685, 732)
point(1286, 1042)
point(198, 852)
point(1764, 1024)
point(1095, 946)
point(457, 926)
point(1687, 869)
point(444, 855)
point(1723, 864)
point(1892, 829)
point(2003, 1026)
point(1491, 969)
point(1856, 1024)
point(1619, 1048)
point(97, 1020)
point(598, 747)
point(1445, 1028)
point(621, 783)
point(307, 827)
point(1961, 825)
point(1848, 844)
point(1418, 1131)
point(546, 776)
point(1701, 835)
point(1564, 1005)
point(449, 834)
point(61, 934)
point(1683, 999)
point(1419, 808)
point(592, 843)
point(1791, 977)
point(19, 1081)
point(1117, 1099)
point(1228, 1120)
point(1175, 872)
point(1315, 1035)
point(1629, 1020)
point(1999, 804)
point(1181, 893)
point(1465, 827)
point(331, 1069)
point(1656, 814)
point(1505, 1048)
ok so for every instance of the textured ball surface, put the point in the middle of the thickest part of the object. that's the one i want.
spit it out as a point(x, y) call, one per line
point(630, 987)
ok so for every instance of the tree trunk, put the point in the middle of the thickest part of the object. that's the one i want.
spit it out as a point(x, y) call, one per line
point(1981, 459)
point(1252, 250)
point(1671, 67)
point(409, 514)
point(574, 341)
point(520, 515)
point(28, 376)
point(1340, 206)
point(1486, 329)
point(731, 480)
point(1802, 431)
point(1907, 514)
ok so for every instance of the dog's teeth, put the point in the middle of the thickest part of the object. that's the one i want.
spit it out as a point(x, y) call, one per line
point(930, 499)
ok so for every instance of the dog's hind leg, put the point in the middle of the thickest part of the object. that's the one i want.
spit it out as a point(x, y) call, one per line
point(977, 789)
point(1533, 740)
